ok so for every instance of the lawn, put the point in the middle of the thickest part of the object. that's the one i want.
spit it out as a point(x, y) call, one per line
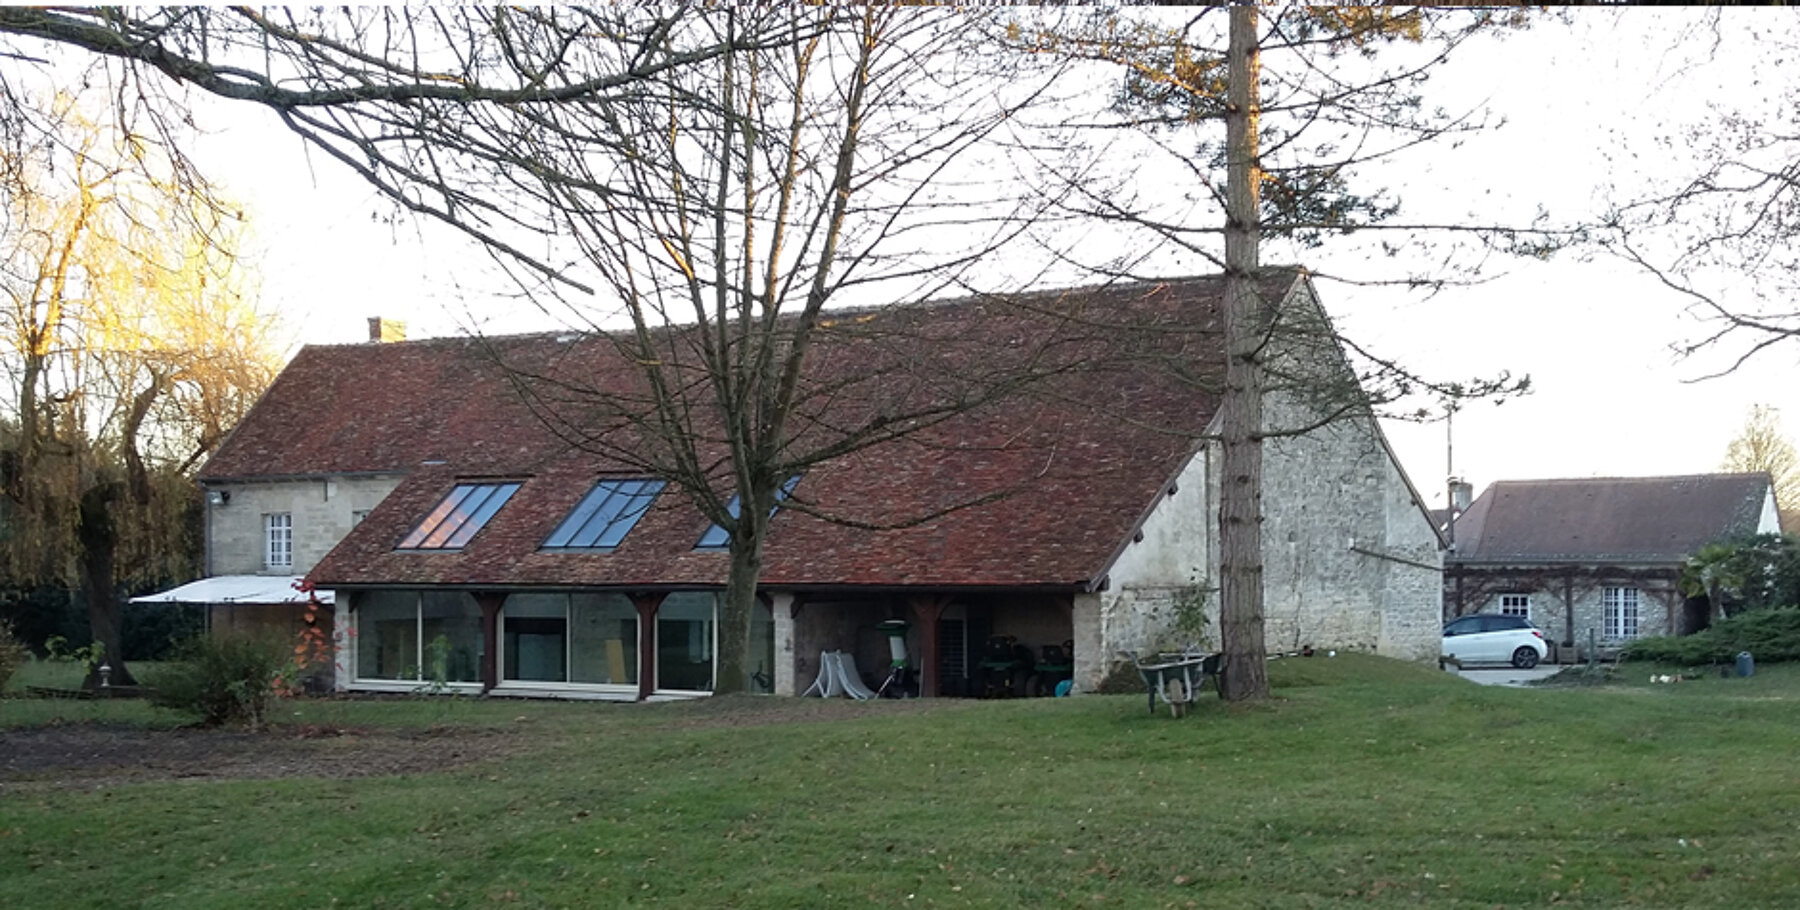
point(1367, 781)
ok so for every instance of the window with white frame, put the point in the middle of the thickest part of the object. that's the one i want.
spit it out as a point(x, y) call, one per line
point(278, 540)
point(1515, 605)
point(1619, 607)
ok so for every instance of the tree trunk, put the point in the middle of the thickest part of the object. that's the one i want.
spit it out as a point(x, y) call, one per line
point(99, 545)
point(1243, 674)
point(738, 605)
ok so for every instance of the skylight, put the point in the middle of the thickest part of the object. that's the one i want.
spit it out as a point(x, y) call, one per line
point(605, 515)
point(459, 516)
point(717, 538)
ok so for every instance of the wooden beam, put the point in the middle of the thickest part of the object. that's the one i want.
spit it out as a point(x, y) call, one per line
point(647, 605)
point(1569, 610)
point(490, 602)
point(927, 610)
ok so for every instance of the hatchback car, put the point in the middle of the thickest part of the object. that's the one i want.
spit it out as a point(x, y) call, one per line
point(1493, 639)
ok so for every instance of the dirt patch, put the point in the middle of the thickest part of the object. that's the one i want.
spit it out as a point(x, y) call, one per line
point(86, 755)
point(98, 755)
point(761, 710)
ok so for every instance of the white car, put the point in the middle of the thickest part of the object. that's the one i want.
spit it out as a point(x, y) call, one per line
point(1488, 638)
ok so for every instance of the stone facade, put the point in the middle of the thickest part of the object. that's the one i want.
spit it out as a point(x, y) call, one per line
point(1571, 624)
point(1538, 564)
point(1350, 559)
point(1172, 558)
point(323, 510)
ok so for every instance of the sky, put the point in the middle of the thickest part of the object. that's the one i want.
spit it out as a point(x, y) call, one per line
point(1583, 98)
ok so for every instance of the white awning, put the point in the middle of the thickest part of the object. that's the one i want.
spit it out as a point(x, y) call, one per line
point(236, 589)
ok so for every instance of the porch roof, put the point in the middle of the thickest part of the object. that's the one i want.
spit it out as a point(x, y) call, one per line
point(238, 589)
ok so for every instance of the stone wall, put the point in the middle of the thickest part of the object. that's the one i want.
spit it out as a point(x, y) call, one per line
point(323, 512)
point(1349, 558)
point(1170, 559)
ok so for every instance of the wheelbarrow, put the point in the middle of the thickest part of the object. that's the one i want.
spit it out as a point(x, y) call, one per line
point(1175, 678)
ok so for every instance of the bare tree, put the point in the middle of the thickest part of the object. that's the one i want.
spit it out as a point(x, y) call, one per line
point(422, 103)
point(749, 192)
point(1762, 446)
point(1294, 138)
point(720, 177)
point(1721, 234)
point(129, 349)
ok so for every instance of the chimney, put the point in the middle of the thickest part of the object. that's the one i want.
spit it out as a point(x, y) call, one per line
point(382, 330)
point(1461, 492)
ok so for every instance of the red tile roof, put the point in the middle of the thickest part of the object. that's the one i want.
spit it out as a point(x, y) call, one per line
point(1080, 457)
point(1608, 519)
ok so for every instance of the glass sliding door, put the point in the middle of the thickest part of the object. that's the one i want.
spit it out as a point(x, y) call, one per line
point(603, 639)
point(450, 637)
point(387, 635)
point(535, 637)
point(761, 670)
point(418, 636)
point(684, 642)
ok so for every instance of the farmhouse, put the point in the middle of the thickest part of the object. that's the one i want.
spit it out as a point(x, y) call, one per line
point(1598, 558)
point(1068, 504)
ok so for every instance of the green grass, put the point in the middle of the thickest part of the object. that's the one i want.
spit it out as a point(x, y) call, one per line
point(65, 674)
point(1366, 782)
point(54, 674)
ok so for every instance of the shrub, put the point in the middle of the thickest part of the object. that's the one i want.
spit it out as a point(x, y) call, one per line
point(1121, 679)
point(1771, 635)
point(12, 653)
point(155, 631)
point(230, 679)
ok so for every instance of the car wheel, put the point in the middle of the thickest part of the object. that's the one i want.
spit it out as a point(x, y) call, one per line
point(1525, 658)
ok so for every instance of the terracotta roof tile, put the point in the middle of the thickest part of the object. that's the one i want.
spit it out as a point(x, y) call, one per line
point(1079, 456)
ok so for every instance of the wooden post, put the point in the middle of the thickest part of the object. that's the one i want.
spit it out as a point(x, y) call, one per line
point(1569, 609)
point(1670, 597)
point(647, 605)
point(490, 602)
point(927, 611)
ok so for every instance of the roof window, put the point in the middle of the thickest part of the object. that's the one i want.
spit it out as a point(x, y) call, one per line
point(605, 515)
point(459, 516)
point(717, 538)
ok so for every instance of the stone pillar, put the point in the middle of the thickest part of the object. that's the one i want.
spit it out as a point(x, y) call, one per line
point(489, 602)
point(782, 607)
point(1091, 658)
point(647, 605)
point(343, 643)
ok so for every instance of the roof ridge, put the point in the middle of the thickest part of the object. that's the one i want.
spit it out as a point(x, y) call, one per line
point(1619, 478)
point(1277, 272)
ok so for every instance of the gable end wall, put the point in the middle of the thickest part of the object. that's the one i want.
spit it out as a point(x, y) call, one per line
point(322, 510)
point(1349, 559)
point(1174, 559)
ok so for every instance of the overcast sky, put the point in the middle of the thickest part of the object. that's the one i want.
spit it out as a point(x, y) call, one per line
point(1583, 101)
